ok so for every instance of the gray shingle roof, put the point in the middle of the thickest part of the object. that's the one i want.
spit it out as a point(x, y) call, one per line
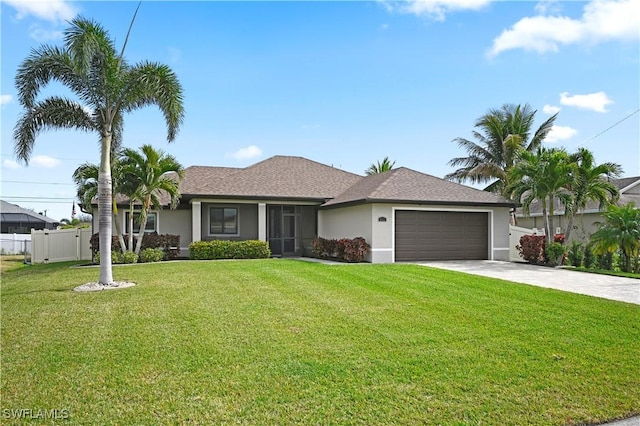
point(275, 177)
point(624, 182)
point(12, 212)
point(286, 177)
point(406, 185)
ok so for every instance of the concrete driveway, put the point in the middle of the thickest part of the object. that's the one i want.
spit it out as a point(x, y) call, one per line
point(605, 286)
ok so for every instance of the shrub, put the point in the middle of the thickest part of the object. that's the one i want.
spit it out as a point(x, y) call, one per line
point(129, 257)
point(356, 249)
point(575, 254)
point(605, 261)
point(589, 256)
point(531, 249)
point(151, 255)
point(344, 249)
point(165, 242)
point(224, 249)
point(115, 257)
point(553, 252)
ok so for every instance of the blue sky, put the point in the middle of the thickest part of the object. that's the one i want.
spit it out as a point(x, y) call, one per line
point(342, 83)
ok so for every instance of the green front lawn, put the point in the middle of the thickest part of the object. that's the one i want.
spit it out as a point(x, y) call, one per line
point(286, 342)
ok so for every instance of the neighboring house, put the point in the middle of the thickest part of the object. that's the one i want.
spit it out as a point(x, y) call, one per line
point(585, 222)
point(403, 214)
point(16, 220)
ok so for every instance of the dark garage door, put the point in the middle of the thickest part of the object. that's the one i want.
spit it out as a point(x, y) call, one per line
point(426, 235)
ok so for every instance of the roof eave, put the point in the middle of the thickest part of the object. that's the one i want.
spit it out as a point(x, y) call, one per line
point(418, 202)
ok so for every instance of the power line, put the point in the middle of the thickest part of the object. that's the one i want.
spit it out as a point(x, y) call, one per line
point(36, 183)
point(35, 201)
point(18, 197)
point(612, 126)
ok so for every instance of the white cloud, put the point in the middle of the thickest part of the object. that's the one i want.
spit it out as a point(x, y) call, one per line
point(42, 35)
point(544, 7)
point(10, 164)
point(593, 101)
point(602, 20)
point(44, 161)
point(5, 99)
point(246, 153)
point(559, 133)
point(384, 27)
point(434, 9)
point(550, 109)
point(310, 126)
point(49, 10)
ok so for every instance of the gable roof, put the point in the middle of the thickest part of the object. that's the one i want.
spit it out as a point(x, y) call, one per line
point(276, 177)
point(14, 213)
point(409, 186)
point(625, 184)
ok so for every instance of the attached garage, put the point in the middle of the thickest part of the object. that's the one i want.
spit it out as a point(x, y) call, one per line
point(441, 235)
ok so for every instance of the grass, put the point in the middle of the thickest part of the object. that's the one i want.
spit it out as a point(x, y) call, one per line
point(11, 261)
point(288, 342)
point(608, 272)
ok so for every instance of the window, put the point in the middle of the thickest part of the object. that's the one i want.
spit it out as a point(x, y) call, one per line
point(151, 222)
point(223, 221)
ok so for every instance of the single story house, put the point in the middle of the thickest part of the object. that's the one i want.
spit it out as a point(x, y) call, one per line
point(403, 214)
point(17, 220)
point(584, 223)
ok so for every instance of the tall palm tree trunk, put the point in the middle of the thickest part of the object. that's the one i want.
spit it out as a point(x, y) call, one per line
point(105, 210)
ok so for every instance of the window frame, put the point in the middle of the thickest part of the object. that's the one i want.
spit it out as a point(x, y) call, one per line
point(137, 213)
point(223, 208)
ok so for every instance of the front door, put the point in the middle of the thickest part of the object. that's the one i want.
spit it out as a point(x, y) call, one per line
point(283, 230)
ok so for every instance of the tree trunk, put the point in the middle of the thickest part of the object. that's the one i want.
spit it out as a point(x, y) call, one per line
point(546, 221)
point(567, 233)
point(130, 235)
point(123, 246)
point(105, 210)
point(143, 224)
point(552, 230)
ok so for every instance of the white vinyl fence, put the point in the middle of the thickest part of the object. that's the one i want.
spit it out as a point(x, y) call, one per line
point(515, 232)
point(15, 243)
point(61, 245)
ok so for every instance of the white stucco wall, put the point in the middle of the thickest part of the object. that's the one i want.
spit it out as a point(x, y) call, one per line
point(376, 223)
point(583, 224)
point(347, 222)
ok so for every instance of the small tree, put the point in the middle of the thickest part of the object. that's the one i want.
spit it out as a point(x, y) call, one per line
point(620, 231)
point(154, 174)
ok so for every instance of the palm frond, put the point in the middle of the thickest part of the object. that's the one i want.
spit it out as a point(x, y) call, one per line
point(151, 83)
point(50, 113)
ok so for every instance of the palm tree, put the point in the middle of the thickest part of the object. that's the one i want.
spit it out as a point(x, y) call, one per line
point(86, 179)
point(380, 167)
point(155, 172)
point(590, 182)
point(108, 86)
point(544, 176)
point(500, 135)
point(621, 230)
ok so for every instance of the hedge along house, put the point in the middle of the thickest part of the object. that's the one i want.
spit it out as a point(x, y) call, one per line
point(403, 214)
